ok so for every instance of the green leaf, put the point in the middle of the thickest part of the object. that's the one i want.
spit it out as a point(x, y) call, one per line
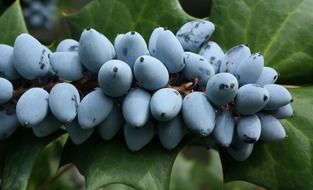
point(12, 24)
point(103, 163)
point(44, 174)
point(118, 187)
point(21, 153)
point(240, 185)
point(112, 17)
point(283, 165)
point(196, 174)
point(282, 30)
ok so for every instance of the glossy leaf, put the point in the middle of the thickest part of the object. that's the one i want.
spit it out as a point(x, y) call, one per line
point(12, 23)
point(283, 165)
point(103, 163)
point(204, 171)
point(112, 17)
point(242, 185)
point(118, 187)
point(281, 30)
point(45, 173)
point(20, 156)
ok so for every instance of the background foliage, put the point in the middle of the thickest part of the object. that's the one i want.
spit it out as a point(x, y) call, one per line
point(282, 30)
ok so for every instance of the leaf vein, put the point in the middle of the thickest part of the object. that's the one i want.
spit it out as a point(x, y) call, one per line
point(280, 29)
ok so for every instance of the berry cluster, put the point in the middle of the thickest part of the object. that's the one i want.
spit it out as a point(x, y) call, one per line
point(38, 13)
point(164, 88)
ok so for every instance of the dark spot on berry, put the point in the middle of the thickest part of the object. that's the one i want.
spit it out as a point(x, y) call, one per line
point(249, 139)
point(184, 60)
point(73, 48)
point(132, 32)
point(275, 77)
point(115, 69)
point(141, 59)
point(201, 59)
point(185, 36)
point(88, 28)
point(176, 92)
point(94, 120)
point(232, 85)
point(212, 58)
point(291, 100)
point(265, 98)
point(42, 66)
point(254, 57)
point(74, 98)
point(223, 86)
